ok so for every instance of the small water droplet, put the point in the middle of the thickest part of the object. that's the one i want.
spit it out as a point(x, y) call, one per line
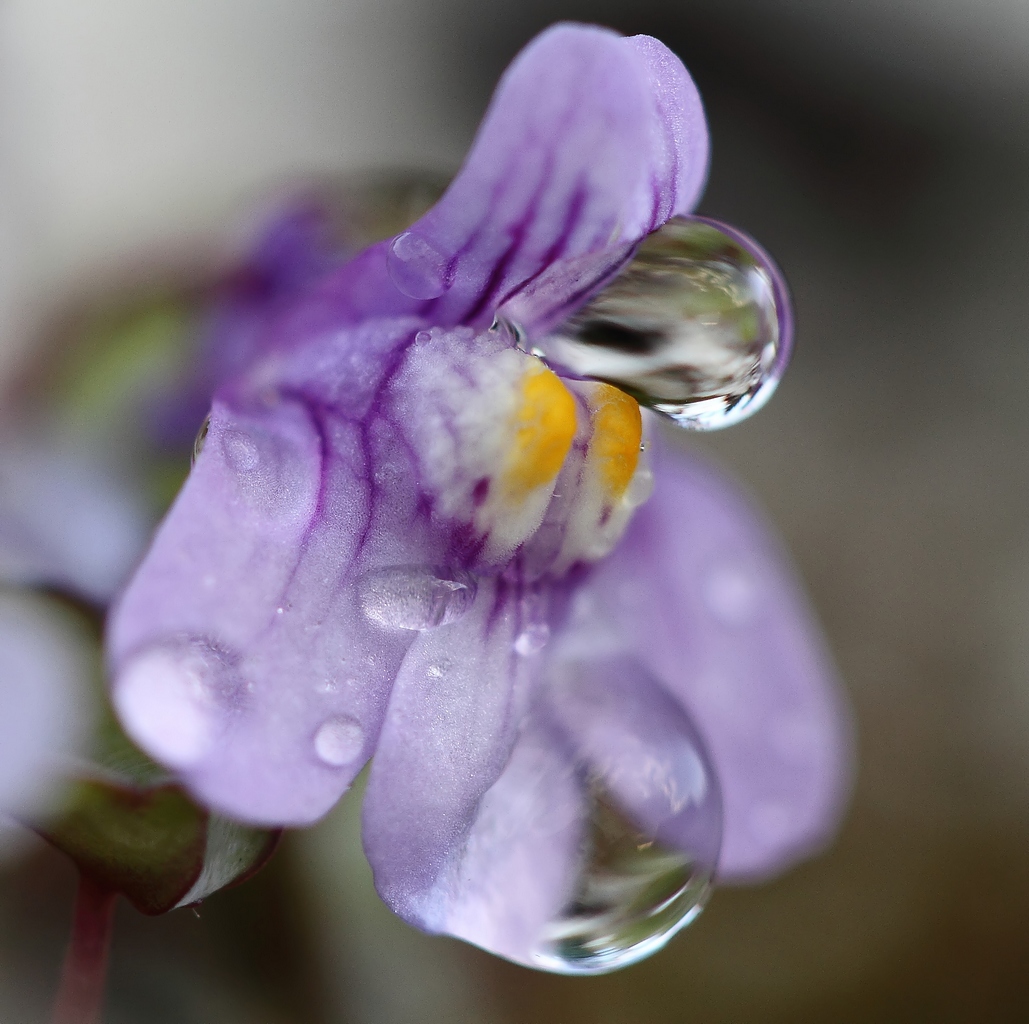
point(698, 326)
point(730, 593)
point(339, 741)
point(532, 639)
point(416, 266)
point(423, 337)
point(240, 450)
point(198, 444)
point(412, 597)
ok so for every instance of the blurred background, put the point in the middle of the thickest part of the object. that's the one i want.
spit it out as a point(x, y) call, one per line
point(881, 152)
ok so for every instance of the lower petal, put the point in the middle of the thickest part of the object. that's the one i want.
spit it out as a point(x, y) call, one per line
point(449, 729)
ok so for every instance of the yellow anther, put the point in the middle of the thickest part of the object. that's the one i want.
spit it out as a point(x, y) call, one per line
point(614, 446)
point(544, 427)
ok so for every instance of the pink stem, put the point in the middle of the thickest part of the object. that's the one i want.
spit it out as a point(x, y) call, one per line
point(80, 996)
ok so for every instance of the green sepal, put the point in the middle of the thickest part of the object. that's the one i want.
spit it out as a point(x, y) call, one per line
point(147, 844)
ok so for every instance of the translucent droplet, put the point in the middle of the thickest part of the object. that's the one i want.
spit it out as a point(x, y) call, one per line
point(416, 266)
point(198, 444)
point(339, 741)
point(698, 326)
point(171, 699)
point(532, 639)
point(653, 830)
point(412, 597)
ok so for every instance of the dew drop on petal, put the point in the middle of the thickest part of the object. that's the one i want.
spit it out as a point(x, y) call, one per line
point(532, 639)
point(413, 597)
point(654, 824)
point(339, 741)
point(170, 699)
point(416, 266)
point(633, 895)
point(697, 327)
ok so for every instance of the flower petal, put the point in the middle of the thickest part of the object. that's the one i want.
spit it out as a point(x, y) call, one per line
point(518, 864)
point(591, 142)
point(448, 733)
point(243, 655)
point(66, 519)
point(708, 600)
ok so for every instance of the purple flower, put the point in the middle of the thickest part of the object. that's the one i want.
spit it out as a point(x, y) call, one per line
point(406, 536)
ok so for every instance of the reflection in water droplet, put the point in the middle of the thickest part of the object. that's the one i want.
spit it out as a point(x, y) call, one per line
point(339, 741)
point(654, 818)
point(698, 326)
point(412, 597)
point(416, 266)
point(634, 893)
point(198, 444)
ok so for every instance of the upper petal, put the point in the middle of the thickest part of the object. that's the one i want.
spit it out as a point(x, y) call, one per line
point(708, 599)
point(591, 142)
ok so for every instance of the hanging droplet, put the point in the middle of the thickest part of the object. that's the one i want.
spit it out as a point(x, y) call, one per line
point(698, 326)
point(653, 830)
point(198, 444)
point(411, 597)
point(416, 266)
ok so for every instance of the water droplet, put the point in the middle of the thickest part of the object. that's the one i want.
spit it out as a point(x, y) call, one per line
point(730, 593)
point(532, 639)
point(698, 326)
point(198, 444)
point(633, 894)
point(240, 450)
point(170, 699)
point(416, 266)
point(339, 741)
point(653, 832)
point(412, 597)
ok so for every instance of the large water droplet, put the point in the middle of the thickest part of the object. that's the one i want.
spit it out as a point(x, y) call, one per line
point(416, 266)
point(339, 741)
point(654, 819)
point(172, 698)
point(698, 326)
point(412, 597)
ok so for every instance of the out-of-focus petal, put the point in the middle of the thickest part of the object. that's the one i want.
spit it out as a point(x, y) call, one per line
point(242, 655)
point(45, 709)
point(448, 734)
point(66, 520)
point(705, 594)
point(591, 142)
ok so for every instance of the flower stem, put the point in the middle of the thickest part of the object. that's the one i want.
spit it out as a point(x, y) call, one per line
point(80, 996)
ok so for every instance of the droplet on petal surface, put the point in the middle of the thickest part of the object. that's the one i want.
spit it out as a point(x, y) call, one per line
point(416, 266)
point(697, 327)
point(412, 597)
point(654, 818)
point(170, 699)
point(339, 741)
